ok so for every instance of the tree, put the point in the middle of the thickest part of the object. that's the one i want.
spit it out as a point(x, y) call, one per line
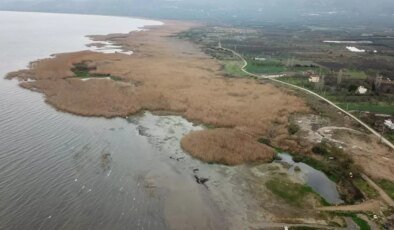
point(378, 82)
point(339, 78)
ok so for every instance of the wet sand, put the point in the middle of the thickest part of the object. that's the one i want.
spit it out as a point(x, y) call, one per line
point(172, 75)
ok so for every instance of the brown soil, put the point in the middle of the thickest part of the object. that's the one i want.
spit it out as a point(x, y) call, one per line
point(169, 74)
point(371, 205)
point(375, 158)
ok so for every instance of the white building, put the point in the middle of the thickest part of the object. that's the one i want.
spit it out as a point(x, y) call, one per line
point(260, 59)
point(314, 78)
point(362, 90)
point(389, 124)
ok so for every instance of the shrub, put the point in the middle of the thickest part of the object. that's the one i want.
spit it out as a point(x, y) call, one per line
point(293, 128)
point(320, 149)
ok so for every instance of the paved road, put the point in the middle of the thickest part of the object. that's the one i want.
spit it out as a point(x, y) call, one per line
point(382, 193)
point(272, 78)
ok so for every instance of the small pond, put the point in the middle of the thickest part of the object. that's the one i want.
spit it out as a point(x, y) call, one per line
point(316, 179)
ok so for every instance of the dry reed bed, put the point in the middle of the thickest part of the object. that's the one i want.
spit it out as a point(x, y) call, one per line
point(169, 74)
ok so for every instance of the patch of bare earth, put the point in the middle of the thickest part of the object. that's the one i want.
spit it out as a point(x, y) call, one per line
point(375, 158)
point(169, 74)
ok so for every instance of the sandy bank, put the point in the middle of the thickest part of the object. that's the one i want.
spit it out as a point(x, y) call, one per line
point(169, 74)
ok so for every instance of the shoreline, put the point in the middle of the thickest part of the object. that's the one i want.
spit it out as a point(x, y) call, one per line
point(85, 14)
point(169, 74)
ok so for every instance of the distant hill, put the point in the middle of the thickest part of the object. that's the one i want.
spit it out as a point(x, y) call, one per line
point(235, 11)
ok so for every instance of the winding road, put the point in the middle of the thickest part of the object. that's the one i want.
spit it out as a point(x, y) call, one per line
point(369, 205)
point(272, 78)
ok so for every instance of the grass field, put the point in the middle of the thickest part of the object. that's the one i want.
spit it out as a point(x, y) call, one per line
point(356, 74)
point(292, 193)
point(265, 67)
point(370, 107)
point(299, 81)
point(233, 68)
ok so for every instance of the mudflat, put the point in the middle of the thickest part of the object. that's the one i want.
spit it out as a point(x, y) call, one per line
point(172, 75)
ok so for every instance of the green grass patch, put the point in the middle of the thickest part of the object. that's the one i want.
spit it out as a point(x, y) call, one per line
point(233, 68)
point(390, 137)
point(387, 186)
point(370, 107)
point(362, 224)
point(265, 67)
point(366, 188)
point(297, 80)
point(355, 74)
point(293, 193)
point(328, 169)
point(81, 70)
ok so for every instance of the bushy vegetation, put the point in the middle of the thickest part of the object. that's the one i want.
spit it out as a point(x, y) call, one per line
point(320, 149)
point(293, 128)
point(362, 224)
point(265, 141)
point(369, 191)
point(82, 70)
point(337, 165)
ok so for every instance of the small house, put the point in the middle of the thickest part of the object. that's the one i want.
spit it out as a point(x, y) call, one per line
point(361, 90)
point(389, 124)
point(314, 78)
point(260, 59)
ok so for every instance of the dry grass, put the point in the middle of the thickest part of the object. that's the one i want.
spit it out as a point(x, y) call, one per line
point(169, 74)
point(235, 147)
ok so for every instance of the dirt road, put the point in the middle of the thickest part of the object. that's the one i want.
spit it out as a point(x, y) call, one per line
point(272, 78)
point(381, 192)
point(372, 205)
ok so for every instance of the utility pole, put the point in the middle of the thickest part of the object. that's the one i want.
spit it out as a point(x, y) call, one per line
point(382, 133)
point(378, 82)
point(339, 78)
point(292, 62)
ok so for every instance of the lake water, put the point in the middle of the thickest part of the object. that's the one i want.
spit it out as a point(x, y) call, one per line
point(60, 171)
